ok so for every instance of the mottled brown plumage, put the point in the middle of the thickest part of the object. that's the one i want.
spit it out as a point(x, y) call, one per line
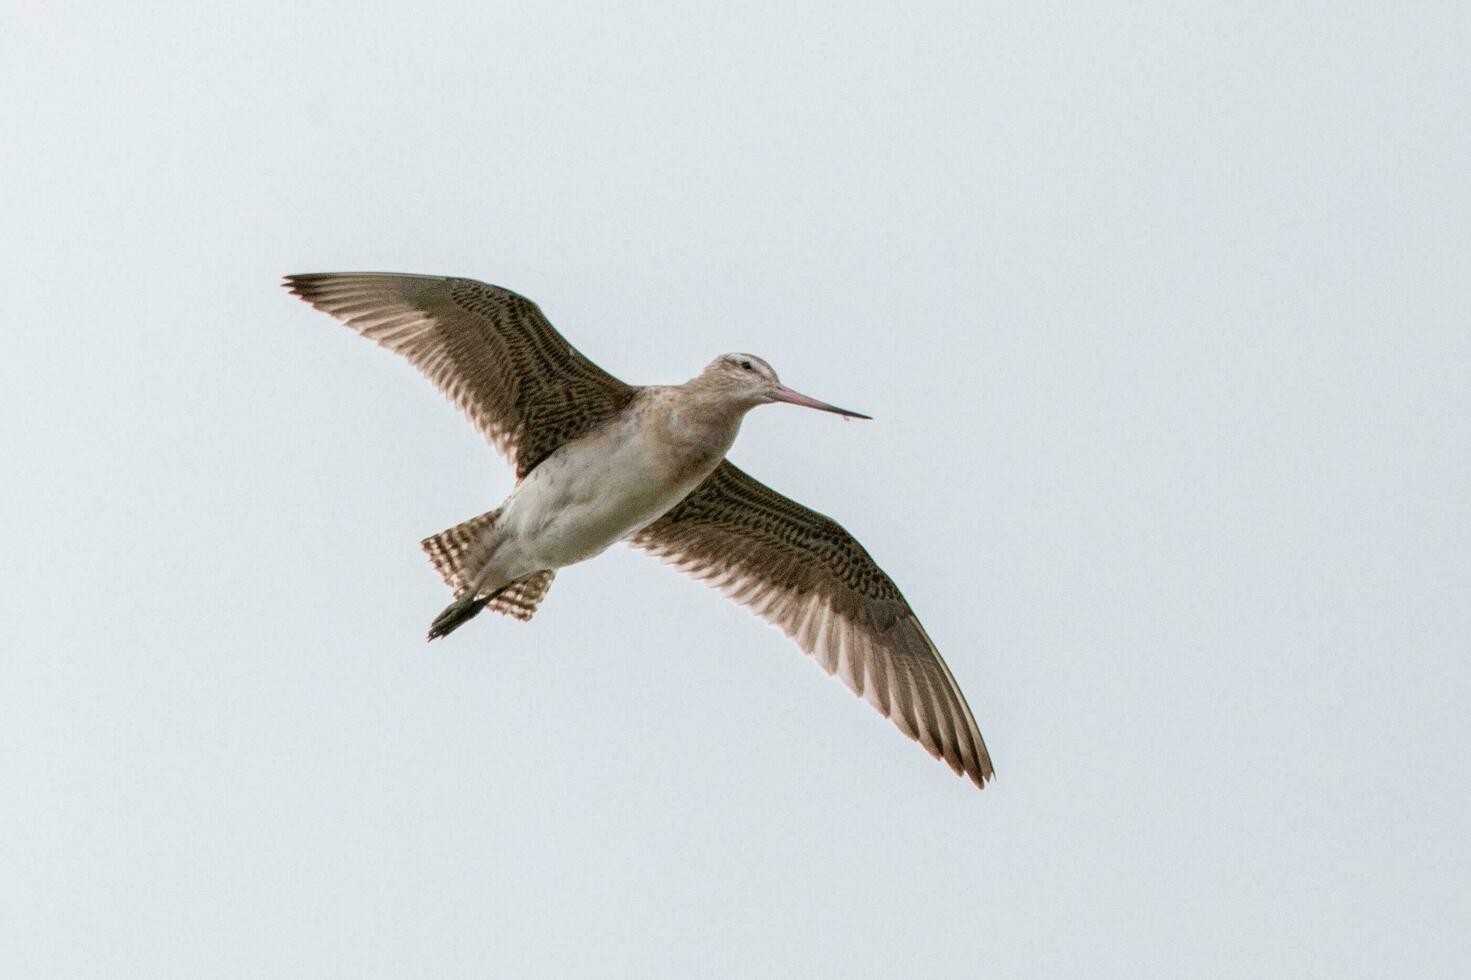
point(491, 351)
point(537, 399)
point(802, 572)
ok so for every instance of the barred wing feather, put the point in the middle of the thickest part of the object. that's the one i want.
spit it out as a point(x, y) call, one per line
point(491, 351)
point(802, 572)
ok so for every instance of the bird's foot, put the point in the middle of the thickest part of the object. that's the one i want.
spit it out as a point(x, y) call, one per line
point(459, 612)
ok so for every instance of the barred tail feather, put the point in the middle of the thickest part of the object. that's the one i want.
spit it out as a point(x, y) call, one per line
point(459, 553)
point(520, 599)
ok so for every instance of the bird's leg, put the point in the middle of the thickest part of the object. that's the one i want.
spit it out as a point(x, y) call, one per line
point(459, 612)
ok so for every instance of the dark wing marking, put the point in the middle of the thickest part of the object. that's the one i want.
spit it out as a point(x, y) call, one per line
point(491, 351)
point(803, 573)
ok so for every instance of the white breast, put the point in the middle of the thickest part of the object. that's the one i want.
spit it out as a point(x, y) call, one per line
point(600, 489)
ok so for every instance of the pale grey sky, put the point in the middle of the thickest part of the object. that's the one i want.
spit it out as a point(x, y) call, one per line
point(1164, 315)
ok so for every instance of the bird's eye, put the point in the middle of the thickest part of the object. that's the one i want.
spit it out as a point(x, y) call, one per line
point(747, 365)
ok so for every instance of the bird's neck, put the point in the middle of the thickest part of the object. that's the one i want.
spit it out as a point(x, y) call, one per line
point(702, 417)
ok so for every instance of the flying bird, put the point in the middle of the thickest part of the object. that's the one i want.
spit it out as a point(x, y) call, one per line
point(599, 461)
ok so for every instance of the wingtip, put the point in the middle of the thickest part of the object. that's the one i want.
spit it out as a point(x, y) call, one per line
point(980, 775)
point(308, 286)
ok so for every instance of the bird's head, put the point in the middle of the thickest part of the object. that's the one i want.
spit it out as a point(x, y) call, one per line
point(750, 381)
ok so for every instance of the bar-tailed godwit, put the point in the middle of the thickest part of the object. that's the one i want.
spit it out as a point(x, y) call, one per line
point(599, 461)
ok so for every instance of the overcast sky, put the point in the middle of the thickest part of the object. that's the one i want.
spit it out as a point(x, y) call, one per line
point(1163, 313)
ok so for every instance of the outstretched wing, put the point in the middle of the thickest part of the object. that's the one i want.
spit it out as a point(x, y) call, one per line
point(491, 351)
point(802, 572)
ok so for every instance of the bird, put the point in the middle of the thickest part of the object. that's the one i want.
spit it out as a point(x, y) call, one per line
point(599, 461)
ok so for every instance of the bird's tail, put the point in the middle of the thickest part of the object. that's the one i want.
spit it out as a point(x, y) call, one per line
point(460, 554)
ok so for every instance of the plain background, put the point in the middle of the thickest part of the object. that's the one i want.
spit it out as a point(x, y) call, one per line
point(1163, 314)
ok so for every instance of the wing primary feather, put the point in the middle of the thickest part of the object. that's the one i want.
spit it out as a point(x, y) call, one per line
point(490, 351)
point(802, 572)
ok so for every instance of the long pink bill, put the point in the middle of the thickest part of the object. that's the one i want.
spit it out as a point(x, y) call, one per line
point(785, 394)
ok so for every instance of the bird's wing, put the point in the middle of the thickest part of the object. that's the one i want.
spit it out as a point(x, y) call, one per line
point(802, 572)
point(491, 351)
